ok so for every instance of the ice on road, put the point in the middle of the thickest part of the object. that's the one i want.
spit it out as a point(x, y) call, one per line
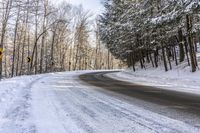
point(62, 103)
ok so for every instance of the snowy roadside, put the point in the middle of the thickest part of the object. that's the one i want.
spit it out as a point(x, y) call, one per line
point(62, 103)
point(15, 104)
point(178, 79)
point(65, 104)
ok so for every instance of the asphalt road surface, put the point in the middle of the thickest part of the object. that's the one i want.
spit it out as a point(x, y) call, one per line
point(181, 106)
point(90, 102)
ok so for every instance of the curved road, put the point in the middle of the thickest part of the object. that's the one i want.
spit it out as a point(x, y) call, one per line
point(177, 105)
point(90, 102)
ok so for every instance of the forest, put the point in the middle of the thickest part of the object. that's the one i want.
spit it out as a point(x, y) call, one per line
point(38, 36)
point(147, 32)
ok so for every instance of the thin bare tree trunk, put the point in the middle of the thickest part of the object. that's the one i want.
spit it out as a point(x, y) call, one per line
point(14, 44)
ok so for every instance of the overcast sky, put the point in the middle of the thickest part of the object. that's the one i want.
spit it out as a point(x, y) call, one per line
point(94, 5)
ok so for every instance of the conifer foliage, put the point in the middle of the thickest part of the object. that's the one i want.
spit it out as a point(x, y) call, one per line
point(150, 31)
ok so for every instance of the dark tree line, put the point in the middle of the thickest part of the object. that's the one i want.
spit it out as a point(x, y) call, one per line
point(149, 31)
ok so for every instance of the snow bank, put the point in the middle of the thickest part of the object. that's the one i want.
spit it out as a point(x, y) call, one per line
point(15, 103)
point(178, 79)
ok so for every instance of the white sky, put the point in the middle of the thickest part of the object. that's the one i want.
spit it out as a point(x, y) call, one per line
point(94, 6)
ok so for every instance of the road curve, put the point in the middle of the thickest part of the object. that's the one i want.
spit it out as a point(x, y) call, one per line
point(181, 106)
point(62, 103)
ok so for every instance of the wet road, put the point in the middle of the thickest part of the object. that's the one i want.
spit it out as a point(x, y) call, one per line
point(181, 106)
point(90, 102)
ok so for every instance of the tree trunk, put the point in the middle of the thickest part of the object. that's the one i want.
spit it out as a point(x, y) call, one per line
point(133, 60)
point(14, 44)
point(156, 57)
point(169, 60)
point(175, 55)
point(186, 50)
point(181, 45)
point(190, 42)
point(164, 57)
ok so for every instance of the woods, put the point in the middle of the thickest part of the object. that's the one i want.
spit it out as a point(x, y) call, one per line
point(37, 36)
point(152, 31)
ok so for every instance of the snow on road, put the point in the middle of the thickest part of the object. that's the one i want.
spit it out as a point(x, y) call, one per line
point(178, 80)
point(61, 103)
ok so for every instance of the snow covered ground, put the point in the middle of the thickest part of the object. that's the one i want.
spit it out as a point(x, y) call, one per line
point(178, 79)
point(62, 103)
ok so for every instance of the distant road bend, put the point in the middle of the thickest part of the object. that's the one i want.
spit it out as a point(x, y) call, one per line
point(90, 102)
point(181, 106)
